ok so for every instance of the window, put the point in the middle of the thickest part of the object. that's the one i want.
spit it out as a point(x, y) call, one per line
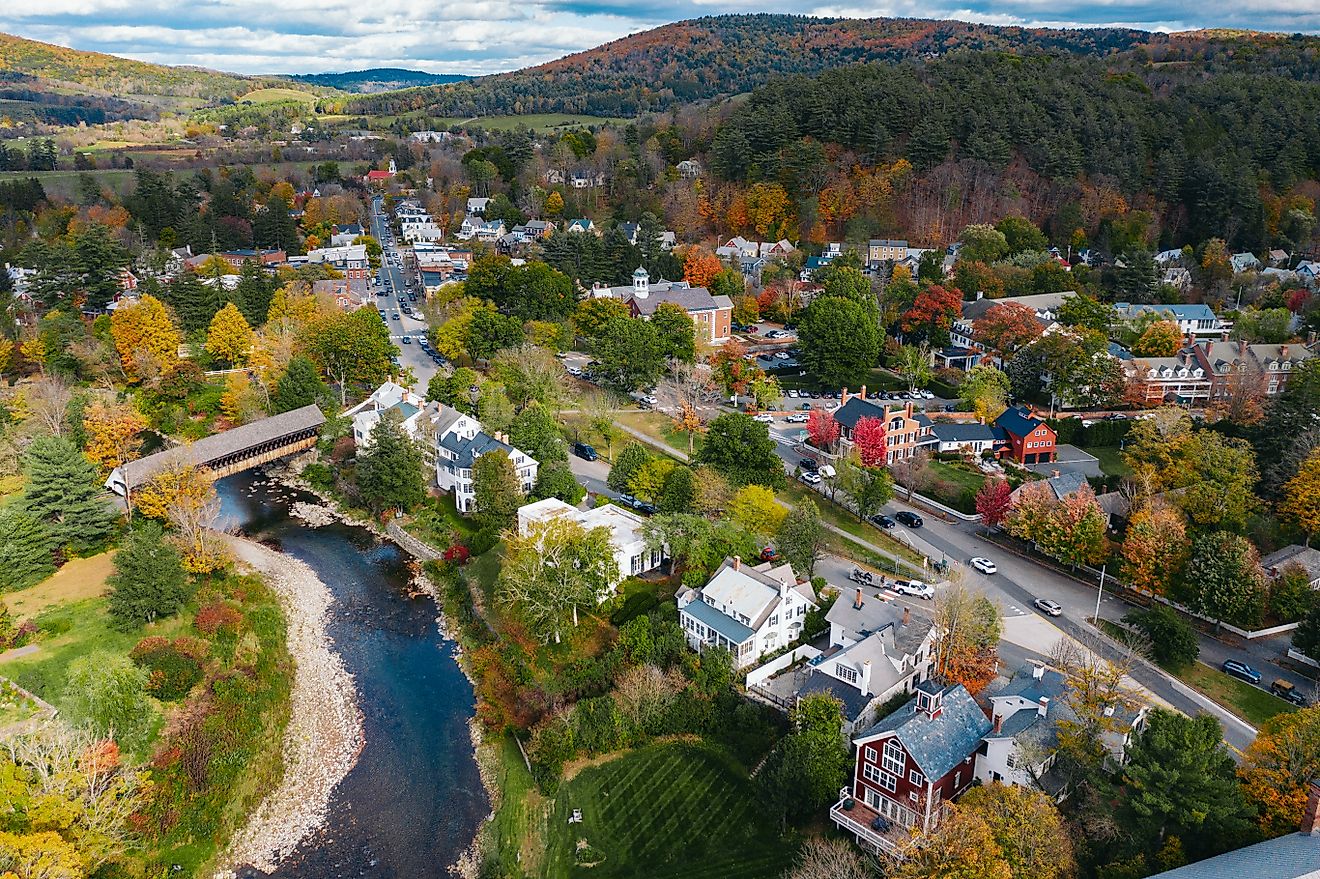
point(888, 782)
point(871, 772)
point(870, 753)
point(845, 673)
point(912, 796)
point(1011, 761)
point(915, 777)
point(957, 778)
point(774, 620)
point(893, 758)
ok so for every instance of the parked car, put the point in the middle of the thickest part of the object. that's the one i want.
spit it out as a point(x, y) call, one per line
point(985, 566)
point(809, 464)
point(912, 520)
point(584, 451)
point(764, 418)
point(805, 406)
point(792, 392)
point(1052, 608)
point(915, 588)
point(883, 521)
point(827, 471)
point(1286, 691)
point(1240, 670)
point(799, 418)
point(810, 478)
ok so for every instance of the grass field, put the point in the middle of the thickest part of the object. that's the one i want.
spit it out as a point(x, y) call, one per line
point(1111, 460)
point(535, 121)
point(271, 96)
point(953, 485)
point(79, 579)
point(670, 809)
point(1252, 704)
point(66, 183)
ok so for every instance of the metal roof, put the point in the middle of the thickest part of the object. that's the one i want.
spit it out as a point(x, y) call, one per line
point(1295, 856)
point(730, 628)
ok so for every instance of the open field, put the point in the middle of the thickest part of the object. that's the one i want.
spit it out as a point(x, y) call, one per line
point(271, 96)
point(78, 580)
point(1111, 460)
point(542, 122)
point(66, 183)
point(669, 809)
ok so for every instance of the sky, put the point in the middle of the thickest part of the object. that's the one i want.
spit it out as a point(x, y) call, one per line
point(489, 36)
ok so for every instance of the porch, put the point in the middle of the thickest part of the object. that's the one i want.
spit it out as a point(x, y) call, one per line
point(874, 832)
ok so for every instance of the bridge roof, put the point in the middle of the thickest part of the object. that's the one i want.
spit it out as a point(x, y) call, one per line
point(220, 445)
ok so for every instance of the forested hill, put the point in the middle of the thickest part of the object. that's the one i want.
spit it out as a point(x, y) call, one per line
point(1157, 155)
point(377, 79)
point(112, 75)
point(732, 54)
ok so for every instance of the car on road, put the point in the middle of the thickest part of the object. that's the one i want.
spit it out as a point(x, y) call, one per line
point(574, 371)
point(584, 451)
point(1240, 670)
point(394, 316)
point(805, 406)
point(810, 478)
point(915, 588)
point(883, 521)
point(1052, 608)
point(1287, 691)
point(809, 464)
point(764, 418)
point(799, 418)
point(407, 340)
point(912, 520)
point(985, 566)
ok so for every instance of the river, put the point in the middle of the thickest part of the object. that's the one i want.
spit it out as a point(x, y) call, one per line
point(414, 800)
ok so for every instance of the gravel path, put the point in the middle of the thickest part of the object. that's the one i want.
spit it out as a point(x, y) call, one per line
point(324, 735)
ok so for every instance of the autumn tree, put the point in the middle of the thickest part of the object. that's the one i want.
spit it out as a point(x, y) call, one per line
point(700, 267)
point(1006, 327)
point(822, 429)
point(1074, 531)
point(154, 498)
point(1155, 548)
point(1278, 768)
point(1301, 496)
point(230, 337)
point(871, 442)
point(1028, 828)
point(142, 331)
point(755, 509)
point(985, 389)
point(1160, 339)
point(932, 313)
point(962, 846)
point(970, 629)
point(994, 501)
point(112, 432)
point(554, 569)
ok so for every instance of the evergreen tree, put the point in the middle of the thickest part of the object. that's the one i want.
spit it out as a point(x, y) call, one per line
point(273, 227)
point(149, 580)
point(496, 491)
point(194, 300)
point(535, 431)
point(253, 293)
point(300, 386)
point(389, 470)
point(64, 492)
point(25, 550)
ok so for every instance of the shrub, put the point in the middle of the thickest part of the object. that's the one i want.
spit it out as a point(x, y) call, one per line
point(319, 476)
point(1173, 640)
point(173, 669)
point(218, 617)
point(483, 541)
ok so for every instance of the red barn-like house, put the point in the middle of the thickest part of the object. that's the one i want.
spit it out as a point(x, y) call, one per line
point(909, 764)
point(1030, 440)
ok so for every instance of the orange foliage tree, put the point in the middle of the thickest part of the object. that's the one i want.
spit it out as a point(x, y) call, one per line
point(1278, 768)
point(112, 434)
point(701, 267)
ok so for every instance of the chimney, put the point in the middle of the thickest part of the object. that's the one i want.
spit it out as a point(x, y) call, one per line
point(857, 602)
point(907, 615)
point(1311, 815)
point(737, 563)
point(1055, 474)
point(862, 393)
point(783, 588)
point(1283, 352)
point(1223, 336)
point(1038, 672)
point(1043, 706)
point(843, 397)
point(864, 684)
point(1109, 711)
point(1242, 347)
point(999, 723)
point(907, 410)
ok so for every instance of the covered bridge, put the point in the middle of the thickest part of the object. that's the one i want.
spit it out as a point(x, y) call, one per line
point(224, 453)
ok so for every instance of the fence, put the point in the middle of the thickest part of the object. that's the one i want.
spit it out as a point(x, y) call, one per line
point(1299, 656)
point(763, 673)
point(410, 544)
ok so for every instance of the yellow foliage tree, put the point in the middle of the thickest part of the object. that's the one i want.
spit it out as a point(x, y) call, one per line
point(34, 350)
point(6, 354)
point(1278, 768)
point(44, 855)
point(145, 329)
point(554, 205)
point(229, 336)
point(177, 483)
point(1301, 496)
point(112, 434)
point(754, 508)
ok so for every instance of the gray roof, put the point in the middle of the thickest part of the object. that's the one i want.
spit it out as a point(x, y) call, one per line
point(726, 626)
point(854, 703)
point(1306, 556)
point(963, 432)
point(939, 743)
point(220, 445)
point(856, 409)
point(687, 298)
point(469, 450)
point(878, 615)
point(1295, 856)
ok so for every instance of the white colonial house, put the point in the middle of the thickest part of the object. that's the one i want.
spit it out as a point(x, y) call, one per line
point(459, 442)
point(631, 553)
point(746, 610)
point(389, 397)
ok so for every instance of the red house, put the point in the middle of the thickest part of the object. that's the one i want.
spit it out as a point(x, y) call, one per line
point(909, 764)
point(1028, 439)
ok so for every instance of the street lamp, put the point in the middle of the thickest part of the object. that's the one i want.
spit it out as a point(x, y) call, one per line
point(1099, 593)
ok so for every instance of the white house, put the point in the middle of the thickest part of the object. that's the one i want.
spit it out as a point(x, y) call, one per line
point(877, 650)
point(964, 437)
point(1023, 740)
point(1196, 319)
point(421, 230)
point(1244, 262)
point(689, 169)
point(459, 442)
point(388, 397)
point(477, 206)
point(746, 610)
point(631, 553)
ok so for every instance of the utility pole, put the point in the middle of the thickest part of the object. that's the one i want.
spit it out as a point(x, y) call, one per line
point(1099, 593)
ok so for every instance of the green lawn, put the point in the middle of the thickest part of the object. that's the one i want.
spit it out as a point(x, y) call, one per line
point(953, 485)
point(667, 810)
point(1252, 704)
point(434, 522)
point(269, 96)
point(517, 826)
point(659, 426)
point(1111, 460)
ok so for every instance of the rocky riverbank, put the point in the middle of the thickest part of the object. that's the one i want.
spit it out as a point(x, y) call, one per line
point(324, 735)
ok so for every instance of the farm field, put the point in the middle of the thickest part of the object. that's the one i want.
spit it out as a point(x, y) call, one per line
point(669, 809)
point(273, 95)
point(542, 122)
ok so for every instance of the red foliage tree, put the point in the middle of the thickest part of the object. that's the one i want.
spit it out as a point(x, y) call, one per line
point(934, 310)
point(1297, 300)
point(1007, 327)
point(872, 444)
point(994, 501)
point(822, 429)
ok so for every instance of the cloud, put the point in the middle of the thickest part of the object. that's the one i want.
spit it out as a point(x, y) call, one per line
point(488, 36)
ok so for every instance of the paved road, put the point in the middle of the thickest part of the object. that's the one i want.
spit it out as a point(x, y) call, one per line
point(410, 355)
